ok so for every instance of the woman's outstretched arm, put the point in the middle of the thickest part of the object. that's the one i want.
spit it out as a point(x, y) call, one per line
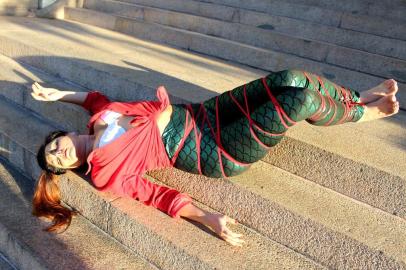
point(177, 204)
point(52, 94)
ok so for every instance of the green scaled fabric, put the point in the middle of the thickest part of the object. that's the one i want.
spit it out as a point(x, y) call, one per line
point(222, 136)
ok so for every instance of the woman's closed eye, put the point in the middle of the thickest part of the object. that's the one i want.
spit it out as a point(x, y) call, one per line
point(54, 151)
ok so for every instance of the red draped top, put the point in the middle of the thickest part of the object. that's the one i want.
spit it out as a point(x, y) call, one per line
point(120, 165)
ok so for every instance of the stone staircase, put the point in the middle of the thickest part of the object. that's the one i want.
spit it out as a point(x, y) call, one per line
point(5, 264)
point(261, 40)
point(324, 198)
point(83, 246)
point(17, 7)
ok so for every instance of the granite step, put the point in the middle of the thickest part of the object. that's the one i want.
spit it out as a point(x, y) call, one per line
point(238, 52)
point(282, 8)
point(395, 10)
point(363, 23)
point(17, 7)
point(24, 243)
point(20, 3)
point(13, 11)
point(6, 264)
point(294, 27)
point(263, 37)
point(278, 16)
point(300, 214)
point(375, 175)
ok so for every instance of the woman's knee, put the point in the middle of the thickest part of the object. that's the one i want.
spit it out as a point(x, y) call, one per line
point(289, 78)
point(299, 103)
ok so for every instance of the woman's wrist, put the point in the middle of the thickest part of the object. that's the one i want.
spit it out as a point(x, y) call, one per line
point(195, 213)
point(73, 97)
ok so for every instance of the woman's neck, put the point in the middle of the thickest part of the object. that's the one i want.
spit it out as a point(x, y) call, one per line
point(86, 145)
point(89, 144)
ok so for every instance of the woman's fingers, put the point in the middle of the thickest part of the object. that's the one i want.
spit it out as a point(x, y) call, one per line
point(38, 97)
point(232, 234)
point(218, 223)
point(38, 94)
point(41, 93)
point(34, 88)
point(37, 85)
point(231, 220)
point(37, 89)
point(233, 241)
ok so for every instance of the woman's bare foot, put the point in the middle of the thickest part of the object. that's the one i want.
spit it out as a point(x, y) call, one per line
point(386, 88)
point(383, 107)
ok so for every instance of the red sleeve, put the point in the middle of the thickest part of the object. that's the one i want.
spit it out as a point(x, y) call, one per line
point(95, 102)
point(166, 199)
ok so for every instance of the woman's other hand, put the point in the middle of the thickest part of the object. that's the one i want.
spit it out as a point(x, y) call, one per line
point(218, 223)
point(45, 94)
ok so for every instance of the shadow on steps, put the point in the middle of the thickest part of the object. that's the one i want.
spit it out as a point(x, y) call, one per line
point(15, 214)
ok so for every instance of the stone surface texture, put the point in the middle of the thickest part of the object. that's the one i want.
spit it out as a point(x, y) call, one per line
point(324, 198)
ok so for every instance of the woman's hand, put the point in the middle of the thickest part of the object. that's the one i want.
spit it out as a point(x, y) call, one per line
point(46, 94)
point(218, 223)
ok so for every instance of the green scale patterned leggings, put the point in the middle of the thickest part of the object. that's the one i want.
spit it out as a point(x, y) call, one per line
point(222, 136)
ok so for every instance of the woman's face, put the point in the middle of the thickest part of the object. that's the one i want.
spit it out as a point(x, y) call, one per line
point(62, 152)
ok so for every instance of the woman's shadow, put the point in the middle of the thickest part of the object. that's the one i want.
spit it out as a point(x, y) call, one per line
point(17, 191)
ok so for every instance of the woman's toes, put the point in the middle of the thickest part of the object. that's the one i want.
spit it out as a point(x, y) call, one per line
point(394, 107)
point(387, 105)
point(391, 85)
point(383, 107)
point(397, 106)
point(393, 110)
point(386, 88)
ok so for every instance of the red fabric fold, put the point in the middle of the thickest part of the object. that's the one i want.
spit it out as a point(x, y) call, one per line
point(119, 165)
point(163, 198)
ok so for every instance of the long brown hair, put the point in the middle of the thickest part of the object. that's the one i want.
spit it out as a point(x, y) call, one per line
point(47, 198)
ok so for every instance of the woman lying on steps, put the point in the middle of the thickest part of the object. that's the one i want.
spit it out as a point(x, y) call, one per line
point(217, 138)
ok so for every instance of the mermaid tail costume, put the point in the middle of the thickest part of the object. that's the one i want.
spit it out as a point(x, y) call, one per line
point(222, 136)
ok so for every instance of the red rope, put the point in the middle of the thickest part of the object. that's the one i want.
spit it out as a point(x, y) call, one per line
point(186, 132)
point(278, 107)
point(191, 124)
point(320, 110)
point(331, 101)
point(198, 138)
point(218, 138)
point(247, 114)
point(347, 101)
